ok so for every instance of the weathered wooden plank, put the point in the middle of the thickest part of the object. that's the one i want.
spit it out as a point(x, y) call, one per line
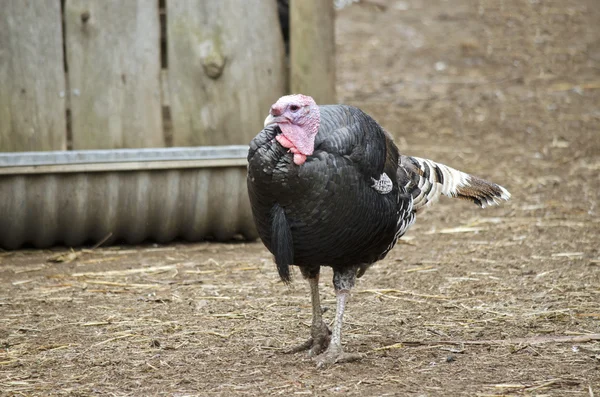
point(32, 76)
point(113, 55)
point(226, 68)
point(312, 49)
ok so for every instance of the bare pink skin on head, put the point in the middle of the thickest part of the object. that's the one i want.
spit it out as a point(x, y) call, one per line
point(298, 117)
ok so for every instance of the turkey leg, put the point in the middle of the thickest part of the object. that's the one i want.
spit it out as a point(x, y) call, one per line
point(343, 281)
point(319, 332)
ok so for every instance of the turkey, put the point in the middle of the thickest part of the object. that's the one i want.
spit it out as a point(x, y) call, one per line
point(328, 187)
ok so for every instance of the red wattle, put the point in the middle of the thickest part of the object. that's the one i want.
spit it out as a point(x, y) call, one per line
point(283, 141)
point(299, 158)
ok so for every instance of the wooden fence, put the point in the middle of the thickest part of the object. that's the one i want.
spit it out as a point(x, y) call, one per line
point(107, 74)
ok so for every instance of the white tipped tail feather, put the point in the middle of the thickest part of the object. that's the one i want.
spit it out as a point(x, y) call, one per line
point(426, 180)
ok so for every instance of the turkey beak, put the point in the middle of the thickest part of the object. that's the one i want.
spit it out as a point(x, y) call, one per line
point(269, 120)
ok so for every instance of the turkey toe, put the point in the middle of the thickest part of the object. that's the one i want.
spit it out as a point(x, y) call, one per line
point(334, 356)
point(318, 342)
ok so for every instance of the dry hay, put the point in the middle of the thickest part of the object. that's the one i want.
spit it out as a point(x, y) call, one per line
point(502, 302)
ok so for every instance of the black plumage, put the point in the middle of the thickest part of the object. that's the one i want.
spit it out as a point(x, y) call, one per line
point(350, 150)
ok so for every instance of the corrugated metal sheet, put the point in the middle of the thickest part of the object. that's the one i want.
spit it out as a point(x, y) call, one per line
point(74, 198)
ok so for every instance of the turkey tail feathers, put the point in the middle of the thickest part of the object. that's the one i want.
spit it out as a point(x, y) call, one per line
point(282, 244)
point(482, 192)
point(427, 180)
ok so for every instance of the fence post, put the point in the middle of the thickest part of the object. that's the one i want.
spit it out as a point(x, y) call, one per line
point(113, 56)
point(32, 77)
point(226, 68)
point(312, 49)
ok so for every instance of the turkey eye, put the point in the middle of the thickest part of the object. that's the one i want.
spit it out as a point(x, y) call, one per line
point(294, 108)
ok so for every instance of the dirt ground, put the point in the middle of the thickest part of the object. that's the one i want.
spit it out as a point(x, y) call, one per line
point(496, 302)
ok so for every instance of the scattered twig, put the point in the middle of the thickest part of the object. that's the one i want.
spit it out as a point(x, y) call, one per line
point(397, 291)
point(537, 385)
point(568, 254)
point(460, 229)
point(65, 257)
point(127, 285)
point(99, 243)
point(95, 324)
point(113, 339)
point(52, 347)
point(199, 271)
point(29, 269)
point(220, 335)
point(537, 340)
point(21, 282)
point(420, 269)
point(152, 366)
point(110, 273)
point(390, 347)
point(7, 362)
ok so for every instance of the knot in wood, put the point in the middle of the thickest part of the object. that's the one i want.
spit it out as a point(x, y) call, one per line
point(85, 16)
point(213, 64)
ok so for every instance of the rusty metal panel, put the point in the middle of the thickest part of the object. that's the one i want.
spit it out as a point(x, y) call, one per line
point(193, 201)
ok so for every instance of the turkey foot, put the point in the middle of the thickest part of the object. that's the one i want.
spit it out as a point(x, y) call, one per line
point(342, 282)
point(317, 343)
point(319, 332)
point(335, 355)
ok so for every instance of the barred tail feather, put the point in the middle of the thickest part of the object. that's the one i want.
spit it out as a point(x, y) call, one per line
point(426, 180)
point(482, 192)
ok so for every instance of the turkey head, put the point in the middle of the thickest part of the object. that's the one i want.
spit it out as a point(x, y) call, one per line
point(298, 117)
